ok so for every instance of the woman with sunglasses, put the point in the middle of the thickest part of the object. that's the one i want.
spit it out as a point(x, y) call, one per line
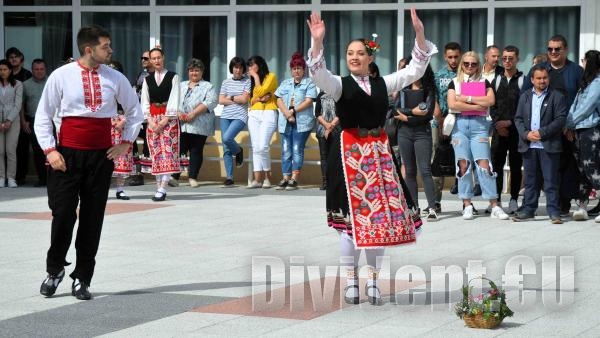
point(365, 200)
point(469, 98)
point(583, 128)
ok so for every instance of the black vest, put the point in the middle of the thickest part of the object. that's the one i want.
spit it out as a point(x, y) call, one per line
point(160, 94)
point(356, 109)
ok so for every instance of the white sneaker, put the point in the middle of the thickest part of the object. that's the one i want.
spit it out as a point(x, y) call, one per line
point(513, 205)
point(468, 212)
point(12, 183)
point(266, 184)
point(498, 213)
point(194, 183)
point(580, 214)
point(431, 215)
point(254, 185)
point(597, 219)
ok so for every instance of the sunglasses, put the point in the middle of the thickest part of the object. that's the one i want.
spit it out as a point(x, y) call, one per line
point(508, 59)
point(144, 58)
point(470, 64)
point(554, 50)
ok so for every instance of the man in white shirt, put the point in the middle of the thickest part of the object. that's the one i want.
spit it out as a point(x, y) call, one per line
point(84, 95)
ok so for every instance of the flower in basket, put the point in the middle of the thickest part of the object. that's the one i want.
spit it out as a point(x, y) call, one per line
point(485, 310)
point(371, 45)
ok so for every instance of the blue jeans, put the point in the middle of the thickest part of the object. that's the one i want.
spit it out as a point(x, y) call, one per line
point(292, 149)
point(229, 130)
point(470, 140)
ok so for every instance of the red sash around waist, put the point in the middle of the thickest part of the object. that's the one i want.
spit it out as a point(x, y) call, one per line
point(155, 110)
point(85, 133)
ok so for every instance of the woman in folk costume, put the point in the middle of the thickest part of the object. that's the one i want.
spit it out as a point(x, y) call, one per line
point(124, 163)
point(366, 202)
point(160, 104)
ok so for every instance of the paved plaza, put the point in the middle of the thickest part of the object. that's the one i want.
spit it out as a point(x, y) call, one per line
point(184, 268)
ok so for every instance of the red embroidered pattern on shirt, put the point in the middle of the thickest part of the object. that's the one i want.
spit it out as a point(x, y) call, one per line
point(92, 92)
point(378, 209)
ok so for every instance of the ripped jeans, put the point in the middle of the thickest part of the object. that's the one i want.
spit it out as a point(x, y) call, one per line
point(470, 140)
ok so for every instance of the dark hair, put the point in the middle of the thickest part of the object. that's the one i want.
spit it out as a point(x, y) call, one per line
point(90, 37)
point(195, 63)
point(427, 81)
point(11, 77)
point(487, 49)
point(15, 51)
point(592, 68)
point(538, 67)
point(363, 42)
point(156, 49)
point(116, 65)
point(237, 61)
point(374, 69)
point(512, 49)
point(559, 38)
point(297, 60)
point(263, 69)
point(39, 61)
point(452, 46)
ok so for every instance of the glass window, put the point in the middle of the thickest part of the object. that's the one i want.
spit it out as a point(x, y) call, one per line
point(115, 2)
point(468, 27)
point(345, 26)
point(192, 2)
point(200, 37)
point(529, 29)
point(40, 35)
point(273, 35)
point(130, 36)
point(355, 1)
point(272, 2)
point(37, 2)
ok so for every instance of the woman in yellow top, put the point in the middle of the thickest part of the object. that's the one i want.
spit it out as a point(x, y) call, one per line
point(262, 119)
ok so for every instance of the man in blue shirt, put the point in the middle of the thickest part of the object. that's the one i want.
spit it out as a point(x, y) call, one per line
point(540, 118)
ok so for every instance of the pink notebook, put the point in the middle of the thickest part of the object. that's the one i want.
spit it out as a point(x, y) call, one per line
point(473, 89)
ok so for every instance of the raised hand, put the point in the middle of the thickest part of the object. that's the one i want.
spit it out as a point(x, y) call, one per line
point(419, 29)
point(317, 32)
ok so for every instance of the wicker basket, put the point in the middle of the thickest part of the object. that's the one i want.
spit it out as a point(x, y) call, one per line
point(478, 322)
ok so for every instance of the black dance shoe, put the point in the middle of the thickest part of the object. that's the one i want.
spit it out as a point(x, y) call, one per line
point(162, 197)
point(121, 196)
point(79, 289)
point(50, 284)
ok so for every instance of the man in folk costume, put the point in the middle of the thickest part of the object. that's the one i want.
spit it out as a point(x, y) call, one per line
point(84, 95)
point(367, 205)
point(160, 104)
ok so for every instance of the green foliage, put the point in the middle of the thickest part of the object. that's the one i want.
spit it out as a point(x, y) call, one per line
point(489, 304)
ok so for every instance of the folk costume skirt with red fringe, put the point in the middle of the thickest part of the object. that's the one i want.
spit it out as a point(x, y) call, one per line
point(163, 146)
point(124, 163)
point(367, 202)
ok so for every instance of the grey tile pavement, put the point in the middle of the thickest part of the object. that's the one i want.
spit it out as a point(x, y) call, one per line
point(157, 265)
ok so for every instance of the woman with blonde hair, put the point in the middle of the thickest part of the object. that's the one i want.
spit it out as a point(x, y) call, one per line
point(469, 99)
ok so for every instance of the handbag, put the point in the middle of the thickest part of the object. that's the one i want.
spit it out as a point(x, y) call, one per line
point(443, 160)
point(449, 121)
point(391, 127)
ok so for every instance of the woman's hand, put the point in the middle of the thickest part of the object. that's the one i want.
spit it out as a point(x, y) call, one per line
point(317, 33)
point(418, 112)
point(419, 29)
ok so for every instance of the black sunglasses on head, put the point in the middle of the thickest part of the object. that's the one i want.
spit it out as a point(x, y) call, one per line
point(144, 58)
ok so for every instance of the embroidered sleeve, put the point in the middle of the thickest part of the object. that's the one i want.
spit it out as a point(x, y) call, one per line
point(173, 103)
point(329, 83)
point(145, 99)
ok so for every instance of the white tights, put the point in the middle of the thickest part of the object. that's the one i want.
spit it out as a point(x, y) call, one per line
point(347, 249)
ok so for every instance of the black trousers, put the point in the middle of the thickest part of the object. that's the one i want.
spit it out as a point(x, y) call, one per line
point(500, 146)
point(194, 144)
point(22, 156)
point(588, 160)
point(85, 182)
point(323, 153)
point(570, 178)
point(39, 159)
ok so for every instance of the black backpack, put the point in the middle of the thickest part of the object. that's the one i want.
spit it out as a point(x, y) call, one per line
point(443, 160)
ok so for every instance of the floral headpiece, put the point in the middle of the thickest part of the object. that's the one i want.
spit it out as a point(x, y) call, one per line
point(371, 45)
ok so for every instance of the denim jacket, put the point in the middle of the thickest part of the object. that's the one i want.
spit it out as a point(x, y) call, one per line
point(305, 119)
point(584, 112)
point(190, 98)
